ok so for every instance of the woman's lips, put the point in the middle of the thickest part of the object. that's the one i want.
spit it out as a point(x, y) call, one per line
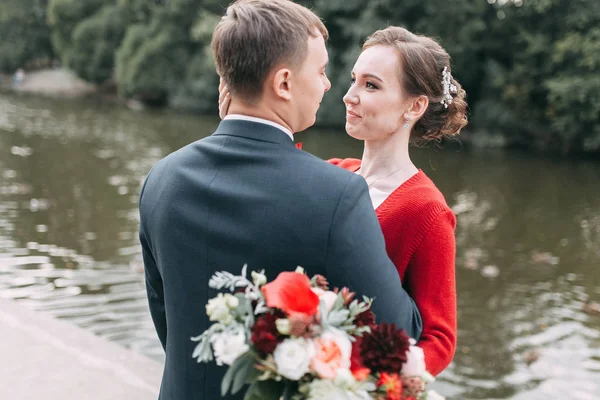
point(352, 115)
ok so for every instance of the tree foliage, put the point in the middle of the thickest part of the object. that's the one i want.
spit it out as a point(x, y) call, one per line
point(549, 73)
point(63, 18)
point(153, 60)
point(24, 34)
point(94, 42)
point(531, 68)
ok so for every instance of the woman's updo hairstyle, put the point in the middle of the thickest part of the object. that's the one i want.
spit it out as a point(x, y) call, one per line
point(425, 70)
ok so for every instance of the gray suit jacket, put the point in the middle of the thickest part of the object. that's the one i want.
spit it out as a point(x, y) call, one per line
point(246, 195)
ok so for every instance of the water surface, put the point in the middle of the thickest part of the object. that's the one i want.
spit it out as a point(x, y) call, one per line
point(528, 240)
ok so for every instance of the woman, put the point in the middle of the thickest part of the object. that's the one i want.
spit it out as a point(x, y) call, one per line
point(393, 100)
point(402, 91)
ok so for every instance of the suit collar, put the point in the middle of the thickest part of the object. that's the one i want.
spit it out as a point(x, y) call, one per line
point(261, 120)
point(253, 130)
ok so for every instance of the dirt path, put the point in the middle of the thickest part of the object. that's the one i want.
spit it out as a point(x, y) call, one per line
point(54, 82)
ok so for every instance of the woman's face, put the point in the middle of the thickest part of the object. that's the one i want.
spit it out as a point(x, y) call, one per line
point(375, 102)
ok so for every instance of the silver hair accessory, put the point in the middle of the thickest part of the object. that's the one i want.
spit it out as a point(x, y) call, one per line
point(448, 87)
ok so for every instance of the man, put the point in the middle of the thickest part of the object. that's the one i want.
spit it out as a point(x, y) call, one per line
point(247, 195)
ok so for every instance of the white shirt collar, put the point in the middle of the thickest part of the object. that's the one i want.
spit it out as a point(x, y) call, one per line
point(260, 121)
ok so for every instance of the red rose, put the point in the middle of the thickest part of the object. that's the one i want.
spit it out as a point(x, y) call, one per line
point(265, 336)
point(291, 292)
point(358, 369)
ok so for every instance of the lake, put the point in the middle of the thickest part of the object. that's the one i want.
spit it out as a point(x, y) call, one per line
point(528, 240)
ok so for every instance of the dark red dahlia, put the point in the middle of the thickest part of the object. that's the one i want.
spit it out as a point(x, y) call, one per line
point(265, 336)
point(365, 318)
point(384, 348)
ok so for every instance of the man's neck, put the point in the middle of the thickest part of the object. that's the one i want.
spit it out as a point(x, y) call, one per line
point(257, 111)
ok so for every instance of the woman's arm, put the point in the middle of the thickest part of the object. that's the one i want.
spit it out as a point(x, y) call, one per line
point(431, 280)
point(357, 258)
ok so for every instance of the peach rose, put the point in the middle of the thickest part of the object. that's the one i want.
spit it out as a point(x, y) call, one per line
point(332, 352)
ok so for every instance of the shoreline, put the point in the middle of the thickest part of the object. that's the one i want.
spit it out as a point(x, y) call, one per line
point(48, 358)
point(64, 84)
point(57, 83)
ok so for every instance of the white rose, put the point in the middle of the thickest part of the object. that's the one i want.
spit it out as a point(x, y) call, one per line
point(258, 278)
point(231, 301)
point(219, 308)
point(359, 395)
point(326, 296)
point(415, 362)
point(228, 346)
point(292, 357)
point(283, 326)
point(327, 389)
point(344, 378)
point(433, 395)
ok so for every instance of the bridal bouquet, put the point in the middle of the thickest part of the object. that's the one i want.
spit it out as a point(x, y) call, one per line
point(293, 338)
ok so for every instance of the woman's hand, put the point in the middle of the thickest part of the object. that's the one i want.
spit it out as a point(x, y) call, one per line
point(224, 99)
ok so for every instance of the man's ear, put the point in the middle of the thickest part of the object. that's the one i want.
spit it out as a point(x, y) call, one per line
point(281, 83)
point(417, 108)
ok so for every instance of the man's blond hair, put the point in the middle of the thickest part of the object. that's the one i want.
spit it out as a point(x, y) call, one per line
point(255, 36)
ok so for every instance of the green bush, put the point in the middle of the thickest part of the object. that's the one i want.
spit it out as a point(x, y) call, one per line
point(95, 41)
point(531, 68)
point(64, 16)
point(149, 64)
point(24, 35)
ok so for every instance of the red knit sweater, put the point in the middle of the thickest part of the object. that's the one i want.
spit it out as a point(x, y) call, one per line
point(418, 227)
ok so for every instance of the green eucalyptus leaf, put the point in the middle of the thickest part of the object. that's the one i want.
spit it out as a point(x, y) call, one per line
point(244, 307)
point(339, 302)
point(265, 390)
point(337, 318)
point(324, 314)
point(240, 378)
point(232, 371)
point(253, 375)
point(290, 388)
point(226, 382)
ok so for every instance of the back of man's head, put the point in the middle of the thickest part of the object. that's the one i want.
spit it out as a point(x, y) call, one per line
point(254, 36)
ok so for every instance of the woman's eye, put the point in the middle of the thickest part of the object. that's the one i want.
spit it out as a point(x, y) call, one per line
point(352, 81)
point(371, 86)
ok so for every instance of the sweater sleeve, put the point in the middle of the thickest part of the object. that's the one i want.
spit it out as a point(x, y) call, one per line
point(351, 164)
point(357, 258)
point(335, 161)
point(431, 280)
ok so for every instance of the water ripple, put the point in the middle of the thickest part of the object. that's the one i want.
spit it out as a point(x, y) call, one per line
point(528, 244)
